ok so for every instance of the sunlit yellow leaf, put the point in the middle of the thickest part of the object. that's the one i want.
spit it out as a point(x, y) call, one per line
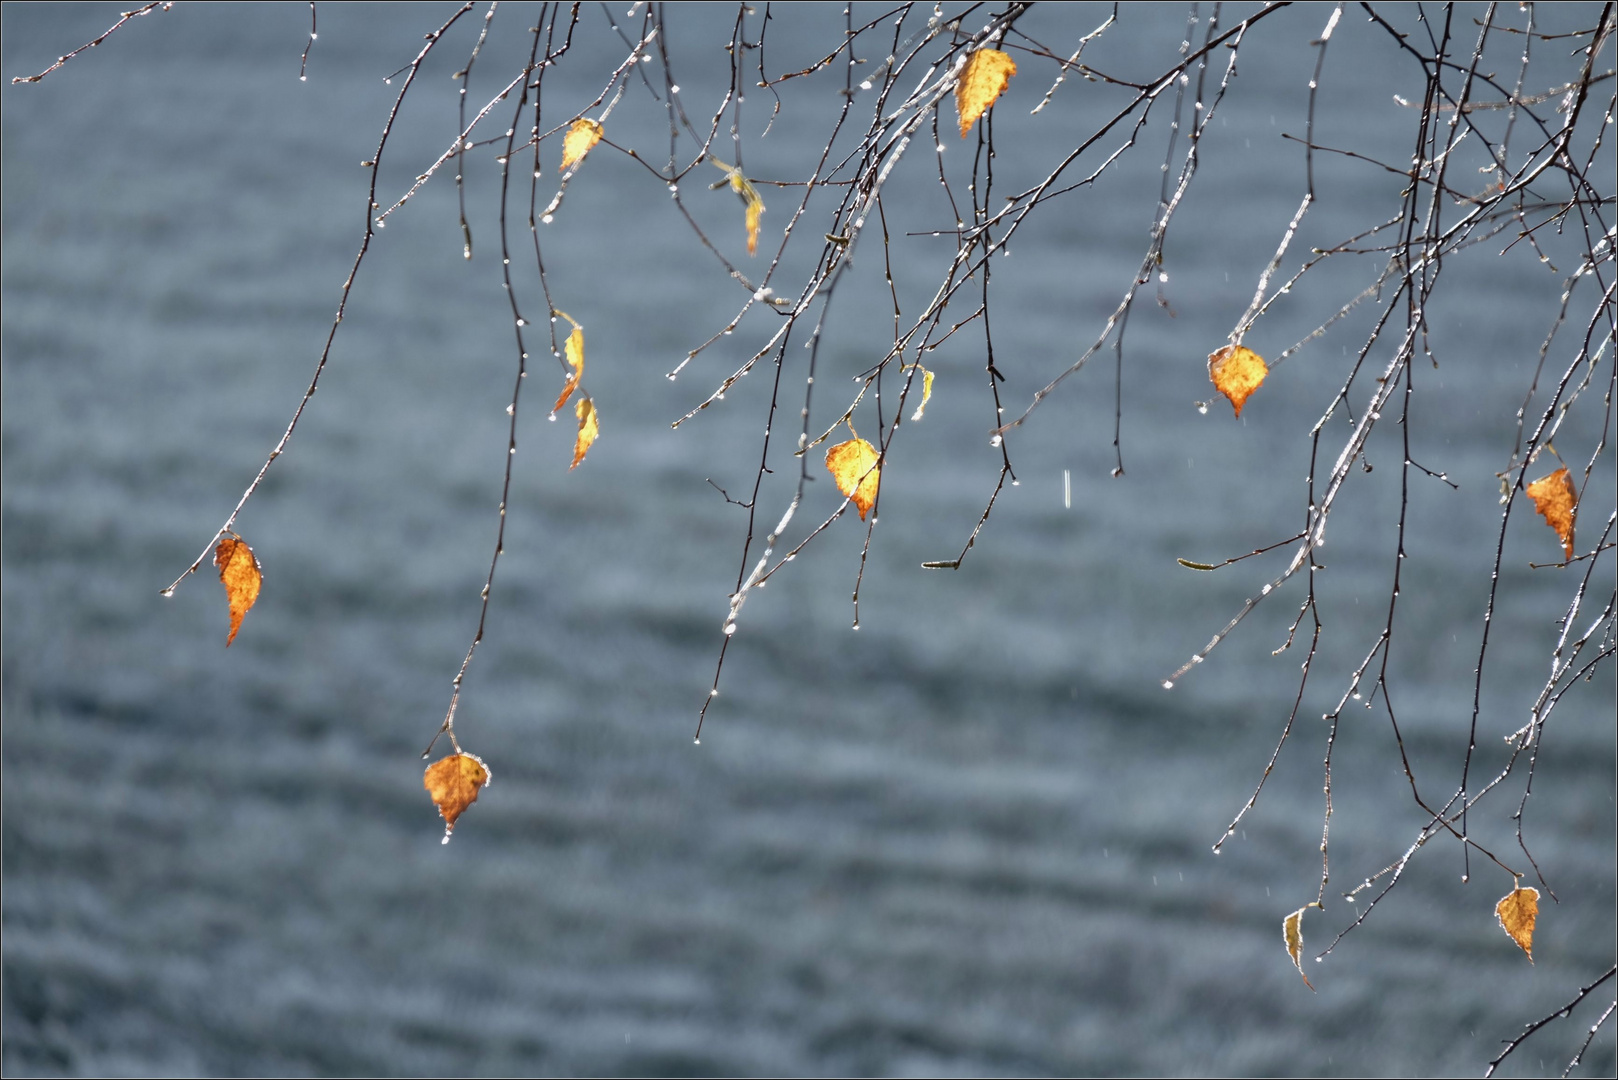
point(589, 428)
point(454, 783)
point(574, 348)
point(239, 572)
point(853, 466)
point(755, 210)
point(1555, 497)
point(750, 198)
point(1292, 934)
point(986, 77)
point(1517, 912)
point(1236, 372)
point(926, 390)
point(584, 134)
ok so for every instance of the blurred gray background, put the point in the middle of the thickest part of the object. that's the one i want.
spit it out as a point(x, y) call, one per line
point(972, 837)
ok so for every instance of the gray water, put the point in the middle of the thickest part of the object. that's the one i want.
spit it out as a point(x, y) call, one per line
point(971, 837)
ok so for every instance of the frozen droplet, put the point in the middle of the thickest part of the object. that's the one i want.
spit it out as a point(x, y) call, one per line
point(675, 89)
point(730, 628)
point(995, 441)
point(510, 409)
point(866, 85)
point(714, 692)
point(446, 837)
point(548, 218)
point(168, 592)
point(1202, 407)
point(1162, 277)
point(1168, 684)
point(1264, 591)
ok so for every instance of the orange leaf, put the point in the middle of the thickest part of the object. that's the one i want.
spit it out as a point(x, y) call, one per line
point(1517, 911)
point(240, 573)
point(853, 466)
point(574, 348)
point(1236, 372)
point(589, 428)
point(454, 782)
point(584, 134)
point(1292, 934)
point(986, 77)
point(1555, 497)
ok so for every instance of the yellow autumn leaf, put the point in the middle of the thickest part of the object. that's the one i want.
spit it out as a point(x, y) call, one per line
point(239, 572)
point(1554, 499)
point(574, 348)
point(1517, 912)
point(454, 783)
point(853, 466)
point(1236, 372)
point(589, 428)
point(926, 389)
point(1292, 934)
point(755, 210)
point(986, 77)
point(748, 194)
point(583, 135)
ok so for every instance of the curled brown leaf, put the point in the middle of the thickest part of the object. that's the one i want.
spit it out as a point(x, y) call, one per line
point(241, 575)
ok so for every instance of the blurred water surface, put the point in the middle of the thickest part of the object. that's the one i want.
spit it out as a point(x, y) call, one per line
point(971, 838)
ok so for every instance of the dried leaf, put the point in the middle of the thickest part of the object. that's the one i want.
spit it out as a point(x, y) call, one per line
point(241, 575)
point(589, 428)
point(986, 77)
point(1292, 934)
point(1236, 372)
point(574, 348)
point(926, 390)
point(853, 466)
point(584, 134)
point(1517, 911)
point(1555, 497)
point(454, 782)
